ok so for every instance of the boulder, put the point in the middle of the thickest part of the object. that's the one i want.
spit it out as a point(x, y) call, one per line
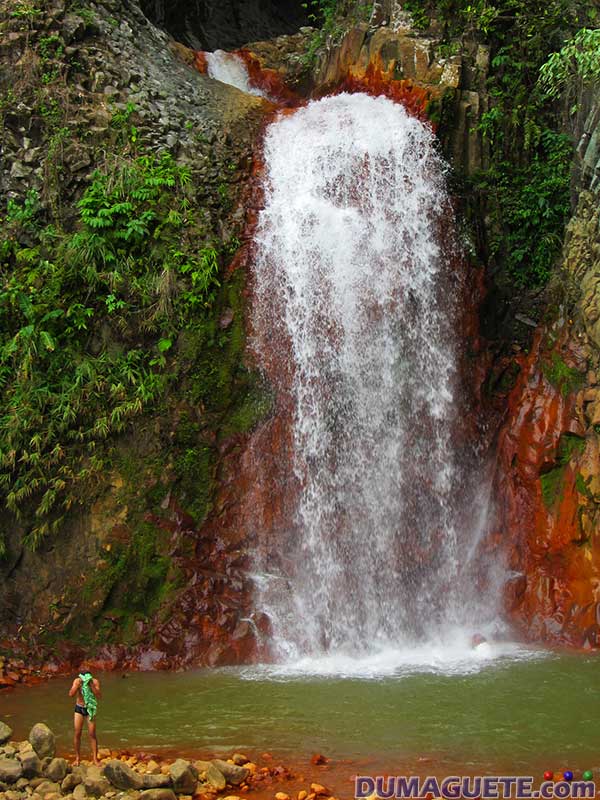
point(239, 759)
point(79, 792)
point(123, 777)
point(30, 761)
point(56, 770)
point(210, 775)
point(183, 776)
point(158, 794)
point(47, 787)
point(13, 795)
point(232, 773)
point(80, 771)
point(71, 781)
point(95, 782)
point(5, 732)
point(159, 781)
point(10, 770)
point(42, 740)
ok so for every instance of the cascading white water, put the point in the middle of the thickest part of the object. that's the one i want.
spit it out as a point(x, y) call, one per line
point(354, 280)
point(230, 68)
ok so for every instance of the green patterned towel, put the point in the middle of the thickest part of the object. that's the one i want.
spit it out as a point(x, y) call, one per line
point(89, 698)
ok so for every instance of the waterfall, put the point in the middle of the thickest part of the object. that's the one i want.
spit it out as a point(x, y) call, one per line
point(358, 285)
point(230, 68)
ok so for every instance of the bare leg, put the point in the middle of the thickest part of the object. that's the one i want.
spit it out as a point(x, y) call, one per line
point(78, 726)
point(93, 741)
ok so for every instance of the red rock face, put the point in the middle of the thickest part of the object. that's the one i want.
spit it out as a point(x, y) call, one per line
point(376, 82)
point(544, 468)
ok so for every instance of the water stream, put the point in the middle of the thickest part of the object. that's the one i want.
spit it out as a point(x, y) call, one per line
point(359, 280)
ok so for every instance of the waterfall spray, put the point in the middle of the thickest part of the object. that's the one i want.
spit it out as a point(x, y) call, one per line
point(356, 279)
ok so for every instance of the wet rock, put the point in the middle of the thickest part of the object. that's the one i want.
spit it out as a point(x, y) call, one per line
point(123, 776)
point(5, 732)
point(183, 776)
point(161, 781)
point(13, 795)
point(10, 770)
point(209, 774)
point(48, 787)
point(232, 773)
point(282, 796)
point(80, 772)
point(96, 784)
point(30, 761)
point(239, 759)
point(56, 770)
point(79, 792)
point(70, 782)
point(158, 794)
point(42, 740)
point(318, 790)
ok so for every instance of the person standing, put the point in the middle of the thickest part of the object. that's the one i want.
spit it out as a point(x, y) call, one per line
point(86, 690)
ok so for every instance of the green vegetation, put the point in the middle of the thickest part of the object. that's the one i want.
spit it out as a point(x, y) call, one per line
point(529, 206)
point(578, 62)
point(564, 378)
point(89, 318)
point(569, 446)
point(326, 15)
point(525, 191)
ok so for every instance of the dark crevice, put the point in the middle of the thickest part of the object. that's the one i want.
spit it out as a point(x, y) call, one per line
point(225, 24)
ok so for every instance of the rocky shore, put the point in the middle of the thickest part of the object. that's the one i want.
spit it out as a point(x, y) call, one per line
point(31, 770)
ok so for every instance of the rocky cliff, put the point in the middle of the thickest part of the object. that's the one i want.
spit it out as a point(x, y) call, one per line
point(130, 541)
point(549, 456)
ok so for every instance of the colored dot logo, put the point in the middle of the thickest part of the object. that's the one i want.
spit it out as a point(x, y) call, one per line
point(567, 775)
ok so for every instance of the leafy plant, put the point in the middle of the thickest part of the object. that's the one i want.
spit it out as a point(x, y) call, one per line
point(577, 61)
point(67, 382)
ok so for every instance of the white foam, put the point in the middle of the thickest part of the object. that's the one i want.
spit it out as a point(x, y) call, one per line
point(230, 68)
point(351, 269)
point(450, 657)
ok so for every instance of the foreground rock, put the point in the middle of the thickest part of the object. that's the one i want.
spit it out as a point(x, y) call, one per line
point(122, 775)
point(57, 770)
point(5, 732)
point(26, 776)
point(158, 794)
point(232, 773)
point(42, 740)
point(210, 775)
point(10, 770)
point(184, 777)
